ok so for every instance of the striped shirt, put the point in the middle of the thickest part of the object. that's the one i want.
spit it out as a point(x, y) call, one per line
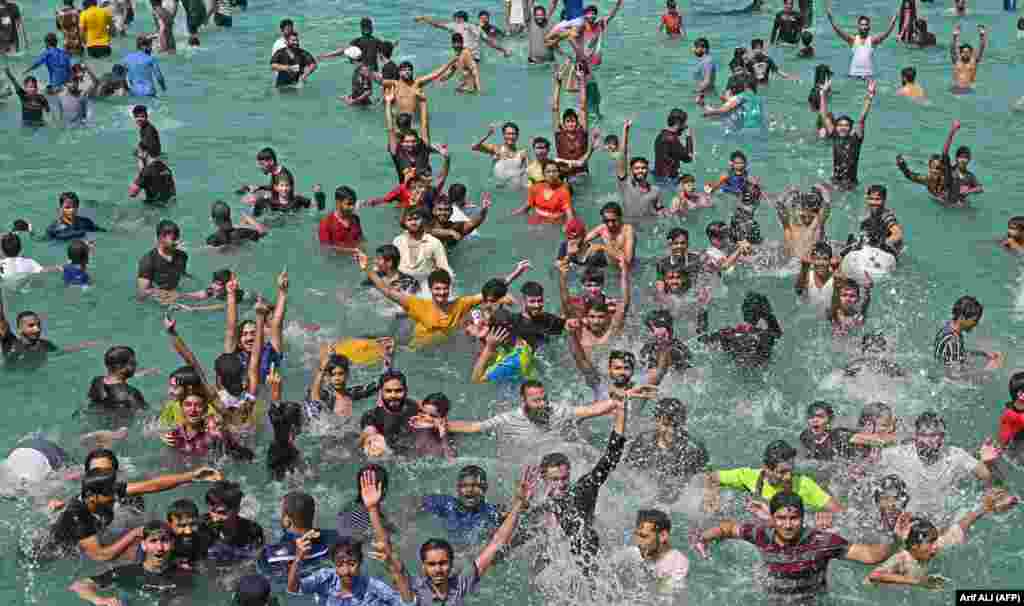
point(459, 587)
point(949, 346)
point(515, 426)
point(796, 571)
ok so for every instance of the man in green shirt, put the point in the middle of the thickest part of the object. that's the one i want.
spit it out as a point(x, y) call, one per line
point(776, 475)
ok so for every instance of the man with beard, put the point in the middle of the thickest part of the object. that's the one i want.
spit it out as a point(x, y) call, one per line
point(846, 140)
point(79, 525)
point(639, 197)
point(663, 352)
point(949, 349)
point(292, 64)
point(776, 476)
point(535, 418)
point(156, 575)
point(234, 537)
point(803, 227)
point(449, 232)
point(467, 516)
point(668, 454)
point(748, 343)
point(598, 326)
point(795, 559)
point(191, 539)
point(385, 425)
point(653, 551)
point(537, 30)
point(787, 26)
point(706, 70)
point(619, 238)
point(569, 505)
point(863, 44)
point(534, 324)
point(932, 469)
point(621, 365)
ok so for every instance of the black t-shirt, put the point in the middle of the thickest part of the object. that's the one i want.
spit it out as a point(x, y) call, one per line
point(9, 18)
point(240, 542)
point(835, 445)
point(149, 138)
point(118, 396)
point(296, 203)
point(672, 466)
point(76, 523)
point(134, 578)
point(32, 106)
point(762, 66)
point(161, 272)
point(420, 159)
point(788, 26)
point(535, 331)
point(370, 46)
point(580, 258)
point(157, 180)
point(361, 85)
point(17, 350)
point(388, 424)
point(234, 235)
point(669, 151)
point(846, 158)
point(288, 56)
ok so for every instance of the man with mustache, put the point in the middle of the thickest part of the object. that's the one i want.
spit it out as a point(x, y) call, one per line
point(467, 515)
point(537, 29)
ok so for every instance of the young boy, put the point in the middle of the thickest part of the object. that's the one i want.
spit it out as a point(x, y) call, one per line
point(910, 87)
point(807, 50)
point(1014, 241)
point(688, 198)
point(611, 145)
point(75, 272)
point(13, 264)
point(33, 105)
point(716, 260)
point(735, 180)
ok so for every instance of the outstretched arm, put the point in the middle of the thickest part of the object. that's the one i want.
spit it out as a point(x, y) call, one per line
point(845, 36)
point(880, 38)
point(984, 42)
point(437, 73)
point(395, 295)
point(949, 138)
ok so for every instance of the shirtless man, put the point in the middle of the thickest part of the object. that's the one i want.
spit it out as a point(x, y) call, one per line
point(598, 326)
point(464, 63)
point(618, 237)
point(803, 223)
point(965, 61)
point(910, 88)
point(1014, 241)
point(409, 95)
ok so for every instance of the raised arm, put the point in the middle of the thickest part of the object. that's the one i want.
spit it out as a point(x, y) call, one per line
point(583, 362)
point(389, 121)
point(826, 119)
point(395, 295)
point(563, 285)
point(556, 104)
point(949, 138)
point(954, 46)
point(983, 34)
point(280, 307)
point(845, 36)
point(909, 174)
point(501, 537)
point(255, 359)
point(372, 492)
point(231, 316)
point(620, 164)
point(483, 146)
point(183, 350)
point(880, 38)
point(868, 98)
point(619, 317)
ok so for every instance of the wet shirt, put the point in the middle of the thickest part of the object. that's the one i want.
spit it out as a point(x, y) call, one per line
point(10, 16)
point(361, 85)
point(834, 444)
point(876, 229)
point(76, 523)
point(762, 66)
point(846, 158)
point(243, 541)
point(390, 425)
point(370, 47)
point(674, 465)
point(536, 330)
point(275, 559)
point(706, 68)
point(515, 425)
point(135, 579)
point(949, 349)
point(157, 180)
point(787, 27)
point(459, 587)
point(752, 481)
point(17, 350)
point(289, 57)
point(325, 585)
point(929, 484)
point(163, 273)
point(464, 526)
point(234, 235)
point(143, 73)
point(669, 151)
point(117, 396)
point(679, 355)
point(639, 199)
point(149, 138)
point(795, 571)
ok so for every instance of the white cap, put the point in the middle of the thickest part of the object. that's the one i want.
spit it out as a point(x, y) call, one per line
point(354, 53)
point(28, 465)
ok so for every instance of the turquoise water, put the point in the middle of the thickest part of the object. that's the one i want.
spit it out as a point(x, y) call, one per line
point(220, 109)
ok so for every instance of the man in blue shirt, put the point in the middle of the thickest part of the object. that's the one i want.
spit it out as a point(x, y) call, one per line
point(143, 69)
point(69, 224)
point(706, 69)
point(467, 516)
point(344, 585)
point(298, 514)
point(57, 61)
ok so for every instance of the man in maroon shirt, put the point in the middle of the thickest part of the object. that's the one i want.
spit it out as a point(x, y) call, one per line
point(795, 559)
point(341, 229)
point(670, 150)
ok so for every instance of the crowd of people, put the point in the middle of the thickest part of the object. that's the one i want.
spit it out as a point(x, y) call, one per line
point(895, 487)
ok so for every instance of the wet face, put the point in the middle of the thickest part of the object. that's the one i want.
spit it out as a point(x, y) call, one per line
point(639, 169)
point(185, 528)
point(787, 5)
point(848, 299)
point(194, 410)
point(929, 442)
point(510, 135)
point(68, 211)
point(457, 46)
point(890, 508)
point(293, 41)
point(437, 566)
point(534, 306)
point(788, 523)
point(471, 492)
point(822, 265)
point(596, 321)
point(818, 422)
point(440, 292)
point(32, 87)
point(485, 20)
point(414, 224)
point(338, 377)
point(699, 50)
point(619, 372)
point(540, 17)
point(283, 188)
point(248, 338)
point(864, 27)
point(383, 265)
point(405, 74)
point(541, 151)
point(535, 398)
point(556, 478)
point(807, 215)
point(780, 475)
point(141, 120)
point(346, 567)
point(552, 175)
point(612, 220)
point(926, 550)
point(158, 546)
point(30, 328)
point(738, 165)
point(679, 246)
point(647, 538)
point(168, 241)
point(675, 282)
point(392, 393)
point(874, 202)
point(570, 124)
point(345, 207)
point(843, 128)
point(266, 166)
point(966, 53)
point(105, 464)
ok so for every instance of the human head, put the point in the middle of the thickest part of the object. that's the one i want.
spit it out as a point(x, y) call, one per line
point(435, 406)
point(286, 421)
point(1015, 228)
point(286, 26)
point(11, 245)
point(822, 73)
point(929, 435)
point(701, 47)
point(267, 160)
point(909, 75)
point(875, 198)
point(157, 541)
point(555, 471)
point(966, 52)
point(967, 312)
point(460, 16)
point(440, 283)
point(484, 18)
point(611, 143)
point(414, 220)
point(167, 234)
point(336, 370)
point(863, 25)
point(876, 417)
point(844, 126)
point(849, 295)
point(533, 396)
point(50, 39)
point(779, 457)
point(787, 511)
point(570, 120)
point(541, 148)
point(639, 168)
point(670, 418)
point(621, 365)
point(224, 501)
point(757, 44)
point(99, 489)
point(230, 372)
point(298, 511)
point(922, 540)
point(677, 119)
point(533, 299)
point(1016, 387)
point(366, 26)
point(963, 156)
point(660, 323)
point(552, 174)
point(393, 389)
point(651, 534)
point(436, 557)
point(101, 459)
point(819, 416)
point(738, 162)
point(457, 42)
point(540, 15)
point(787, 5)
point(471, 486)
point(292, 40)
point(678, 242)
point(405, 71)
point(144, 43)
point(347, 555)
point(220, 214)
point(68, 204)
point(892, 498)
point(183, 518)
point(120, 360)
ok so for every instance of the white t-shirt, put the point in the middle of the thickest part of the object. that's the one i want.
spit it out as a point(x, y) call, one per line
point(669, 571)
point(12, 266)
point(470, 33)
point(928, 485)
point(514, 424)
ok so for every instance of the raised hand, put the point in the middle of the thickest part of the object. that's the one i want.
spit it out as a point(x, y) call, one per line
point(370, 489)
point(282, 280)
point(496, 335)
point(643, 392)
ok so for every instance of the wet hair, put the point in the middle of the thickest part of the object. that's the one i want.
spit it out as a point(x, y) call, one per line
point(282, 455)
point(532, 289)
point(636, 159)
point(673, 410)
point(757, 43)
point(820, 405)
point(717, 230)
point(541, 141)
point(822, 73)
point(337, 361)
point(863, 18)
point(879, 189)
point(439, 401)
point(182, 508)
point(777, 452)
point(929, 420)
point(702, 43)
point(68, 196)
point(421, 213)
point(807, 38)
point(118, 357)
point(435, 545)
point(676, 117)
point(675, 232)
point(344, 193)
point(24, 315)
point(220, 212)
point(392, 374)
point(405, 65)
point(166, 226)
point(530, 384)
point(554, 459)
point(963, 150)
point(967, 308)
point(570, 113)
point(101, 453)
point(225, 493)
point(1016, 222)
point(140, 110)
point(1016, 385)
point(457, 193)
point(474, 471)
point(786, 499)
point(909, 74)
point(300, 507)
point(285, 23)
point(821, 249)
point(99, 482)
point(266, 154)
point(51, 39)
point(381, 475)
point(627, 358)
point(231, 372)
point(387, 48)
point(612, 140)
point(156, 528)
point(20, 225)
point(78, 252)
point(439, 276)
point(495, 288)
point(658, 518)
point(349, 548)
point(893, 486)
point(737, 155)
point(389, 252)
point(366, 25)
point(10, 244)
point(921, 531)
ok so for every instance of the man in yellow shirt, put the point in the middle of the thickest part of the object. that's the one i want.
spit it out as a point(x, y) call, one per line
point(95, 24)
point(775, 476)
